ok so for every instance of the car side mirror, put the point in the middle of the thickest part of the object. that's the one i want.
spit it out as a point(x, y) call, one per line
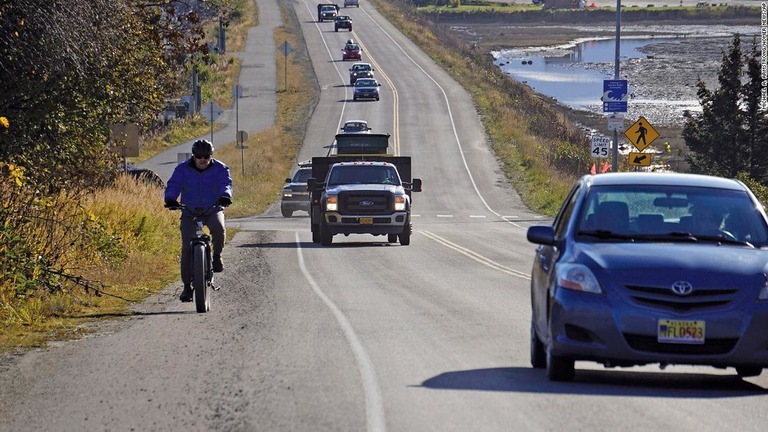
point(416, 185)
point(288, 180)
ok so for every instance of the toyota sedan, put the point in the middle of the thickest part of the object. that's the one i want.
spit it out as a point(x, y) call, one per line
point(651, 268)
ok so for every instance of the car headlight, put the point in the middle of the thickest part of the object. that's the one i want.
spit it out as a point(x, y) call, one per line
point(577, 277)
point(332, 204)
point(400, 203)
point(287, 194)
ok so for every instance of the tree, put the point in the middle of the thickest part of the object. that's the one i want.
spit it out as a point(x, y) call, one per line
point(69, 69)
point(729, 135)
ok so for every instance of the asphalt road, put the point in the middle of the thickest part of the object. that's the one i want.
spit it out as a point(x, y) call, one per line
point(363, 335)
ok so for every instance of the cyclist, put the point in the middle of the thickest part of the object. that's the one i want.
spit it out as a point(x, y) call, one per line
point(203, 182)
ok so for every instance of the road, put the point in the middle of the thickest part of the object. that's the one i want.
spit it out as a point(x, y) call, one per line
point(363, 335)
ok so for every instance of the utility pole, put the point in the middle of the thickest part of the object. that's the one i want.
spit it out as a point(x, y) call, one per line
point(616, 75)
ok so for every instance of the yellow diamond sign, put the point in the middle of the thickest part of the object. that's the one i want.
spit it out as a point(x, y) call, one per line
point(641, 134)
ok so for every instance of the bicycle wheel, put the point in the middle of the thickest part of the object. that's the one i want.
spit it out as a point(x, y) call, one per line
point(202, 302)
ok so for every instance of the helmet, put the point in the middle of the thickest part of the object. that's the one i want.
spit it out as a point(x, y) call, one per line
point(202, 148)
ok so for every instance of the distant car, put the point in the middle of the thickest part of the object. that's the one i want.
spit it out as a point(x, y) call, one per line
point(349, 3)
point(366, 88)
point(355, 126)
point(352, 52)
point(342, 22)
point(360, 70)
point(295, 195)
point(327, 11)
point(642, 268)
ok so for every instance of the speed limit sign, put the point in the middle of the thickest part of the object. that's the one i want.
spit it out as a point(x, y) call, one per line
point(601, 144)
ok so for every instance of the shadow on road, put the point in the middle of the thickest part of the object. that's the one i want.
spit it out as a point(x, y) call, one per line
point(592, 382)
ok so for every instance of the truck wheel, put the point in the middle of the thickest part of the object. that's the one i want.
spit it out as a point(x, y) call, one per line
point(405, 236)
point(315, 234)
point(326, 238)
point(285, 212)
point(392, 238)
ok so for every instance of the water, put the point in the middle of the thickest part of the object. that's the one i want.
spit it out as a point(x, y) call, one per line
point(570, 75)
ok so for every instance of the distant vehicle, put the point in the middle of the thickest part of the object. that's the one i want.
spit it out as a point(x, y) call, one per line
point(360, 70)
point(642, 268)
point(349, 3)
point(366, 88)
point(327, 11)
point(342, 22)
point(295, 195)
point(351, 52)
point(356, 126)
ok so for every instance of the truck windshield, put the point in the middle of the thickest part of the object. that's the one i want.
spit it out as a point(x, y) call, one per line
point(363, 175)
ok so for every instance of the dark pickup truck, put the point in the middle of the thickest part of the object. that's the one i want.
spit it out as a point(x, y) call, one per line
point(327, 11)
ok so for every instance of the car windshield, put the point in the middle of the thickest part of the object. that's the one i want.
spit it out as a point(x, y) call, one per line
point(671, 213)
point(355, 127)
point(302, 175)
point(365, 83)
point(342, 18)
point(361, 67)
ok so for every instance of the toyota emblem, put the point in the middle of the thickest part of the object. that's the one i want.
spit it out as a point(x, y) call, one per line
point(682, 288)
point(366, 203)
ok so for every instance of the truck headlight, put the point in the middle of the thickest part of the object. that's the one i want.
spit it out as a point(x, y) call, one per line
point(332, 204)
point(400, 203)
point(287, 194)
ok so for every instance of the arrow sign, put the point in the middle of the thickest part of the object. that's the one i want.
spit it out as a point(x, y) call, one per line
point(640, 159)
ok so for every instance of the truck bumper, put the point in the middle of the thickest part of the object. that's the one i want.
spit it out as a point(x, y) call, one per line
point(368, 224)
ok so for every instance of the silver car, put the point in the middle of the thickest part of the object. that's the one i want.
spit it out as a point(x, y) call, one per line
point(295, 195)
point(645, 268)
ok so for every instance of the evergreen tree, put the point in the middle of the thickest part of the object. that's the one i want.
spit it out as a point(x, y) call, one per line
point(729, 136)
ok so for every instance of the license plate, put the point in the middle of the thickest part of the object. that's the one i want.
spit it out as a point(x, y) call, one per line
point(681, 331)
point(366, 221)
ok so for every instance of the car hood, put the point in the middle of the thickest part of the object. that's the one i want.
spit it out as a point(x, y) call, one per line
point(365, 187)
point(638, 263)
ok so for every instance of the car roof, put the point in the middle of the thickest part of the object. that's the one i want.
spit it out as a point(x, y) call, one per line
point(360, 64)
point(672, 179)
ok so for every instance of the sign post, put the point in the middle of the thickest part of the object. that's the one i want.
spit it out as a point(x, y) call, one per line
point(286, 49)
point(211, 111)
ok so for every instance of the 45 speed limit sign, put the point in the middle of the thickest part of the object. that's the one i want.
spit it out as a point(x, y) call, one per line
point(600, 146)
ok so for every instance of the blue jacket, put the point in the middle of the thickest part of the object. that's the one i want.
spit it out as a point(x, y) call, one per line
point(200, 189)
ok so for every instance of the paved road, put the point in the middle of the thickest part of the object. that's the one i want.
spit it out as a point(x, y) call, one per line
point(364, 335)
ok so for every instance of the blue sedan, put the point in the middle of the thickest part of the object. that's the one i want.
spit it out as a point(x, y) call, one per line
point(646, 268)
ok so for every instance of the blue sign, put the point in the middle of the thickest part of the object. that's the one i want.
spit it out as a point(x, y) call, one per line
point(615, 96)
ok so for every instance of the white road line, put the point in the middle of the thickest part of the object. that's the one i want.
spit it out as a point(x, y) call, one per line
point(374, 407)
point(476, 256)
point(444, 216)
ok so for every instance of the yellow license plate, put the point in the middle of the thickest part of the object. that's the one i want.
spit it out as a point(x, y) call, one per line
point(681, 331)
point(366, 221)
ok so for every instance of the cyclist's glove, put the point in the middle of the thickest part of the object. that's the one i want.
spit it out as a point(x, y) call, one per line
point(225, 201)
point(172, 203)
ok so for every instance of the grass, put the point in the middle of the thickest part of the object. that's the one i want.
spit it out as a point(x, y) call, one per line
point(149, 233)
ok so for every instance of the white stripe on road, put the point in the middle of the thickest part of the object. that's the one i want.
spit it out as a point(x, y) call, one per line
point(374, 407)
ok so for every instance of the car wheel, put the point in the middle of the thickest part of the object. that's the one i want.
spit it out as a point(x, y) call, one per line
point(354, 98)
point(286, 212)
point(538, 353)
point(335, 29)
point(377, 98)
point(326, 238)
point(558, 368)
point(748, 371)
point(392, 238)
point(315, 233)
point(350, 28)
point(405, 236)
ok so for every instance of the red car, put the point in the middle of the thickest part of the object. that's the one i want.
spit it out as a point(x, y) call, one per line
point(351, 52)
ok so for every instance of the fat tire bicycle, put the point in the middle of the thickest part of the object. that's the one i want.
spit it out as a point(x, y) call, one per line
point(202, 260)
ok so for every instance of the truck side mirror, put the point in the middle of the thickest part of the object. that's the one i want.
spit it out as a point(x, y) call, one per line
point(416, 185)
point(287, 179)
point(311, 183)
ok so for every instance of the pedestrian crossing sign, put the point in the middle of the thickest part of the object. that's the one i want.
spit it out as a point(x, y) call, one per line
point(641, 134)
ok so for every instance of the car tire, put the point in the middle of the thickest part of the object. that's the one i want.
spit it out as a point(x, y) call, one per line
point(285, 212)
point(326, 238)
point(315, 233)
point(392, 238)
point(405, 236)
point(335, 29)
point(354, 98)
point(748, 371)
point(538, 352)
point(377, 98)
point(350, 28)
point(558, 368)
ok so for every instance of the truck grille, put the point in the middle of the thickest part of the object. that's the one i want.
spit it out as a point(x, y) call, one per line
point(365, 203)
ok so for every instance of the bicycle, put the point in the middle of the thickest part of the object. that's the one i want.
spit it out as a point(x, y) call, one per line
point(202, 260)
